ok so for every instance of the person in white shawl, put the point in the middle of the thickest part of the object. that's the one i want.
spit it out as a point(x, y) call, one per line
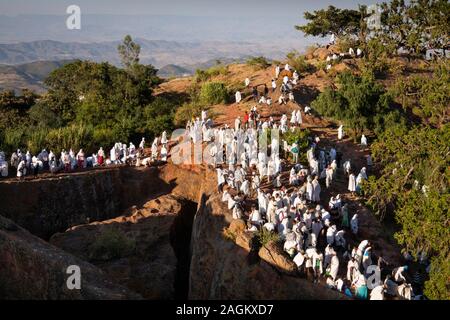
point(309, 189)
point(163, 153)
point(334, 267)
point(340, 132)
point(226, 196)
point(238, 96)
point(316, 190)
point(21, 169)
point(154, 150)
point(262, 202)
point(299, 117)
point(3, 165)
point(377, 293)
point(164, 138)
point(351, 183)
point(363, 141)
point(142, 144)
point(329, 176)
point(347, 167)
point(361, 176)
point(331, 232)
point(245, 187)
point(293, 118)
point(256, 181)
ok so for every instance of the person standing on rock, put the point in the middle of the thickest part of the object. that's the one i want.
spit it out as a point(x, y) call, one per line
point(238, 96)
point(164, 153)
point(80, 159)
point(266, 91)
point(21, 169)
point(142, 144)
point(341, 132)
point(255, 94)
point(247, 82)
point(363, 141)
point(299, 117)
point(277, 72)
point(154, 150)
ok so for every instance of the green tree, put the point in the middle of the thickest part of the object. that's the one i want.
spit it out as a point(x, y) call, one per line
point(413, 184)
point(129, 52)
point(332, 20)
point(358, 102)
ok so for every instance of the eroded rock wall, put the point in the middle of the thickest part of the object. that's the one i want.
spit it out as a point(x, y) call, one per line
point(30, 268)
point(47, 206)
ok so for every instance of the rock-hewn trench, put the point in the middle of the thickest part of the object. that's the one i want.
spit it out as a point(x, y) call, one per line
point(136, 233)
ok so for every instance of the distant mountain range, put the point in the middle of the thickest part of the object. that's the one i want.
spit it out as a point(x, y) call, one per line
point(29, 75)
point(32, 75)
point(156, 52)
point(26, 64)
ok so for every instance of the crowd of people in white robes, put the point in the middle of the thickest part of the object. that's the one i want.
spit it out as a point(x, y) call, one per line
point(316, 236)
point(25, 163)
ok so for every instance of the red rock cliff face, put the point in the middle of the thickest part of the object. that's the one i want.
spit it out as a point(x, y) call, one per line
point(47, 206)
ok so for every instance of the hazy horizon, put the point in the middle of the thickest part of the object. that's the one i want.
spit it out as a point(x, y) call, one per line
point(176, 20)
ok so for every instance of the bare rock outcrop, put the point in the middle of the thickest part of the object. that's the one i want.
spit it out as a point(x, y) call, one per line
point(148, 264)
point(30, 268)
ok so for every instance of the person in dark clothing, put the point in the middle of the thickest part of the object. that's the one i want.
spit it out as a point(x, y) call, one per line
point(255, 94)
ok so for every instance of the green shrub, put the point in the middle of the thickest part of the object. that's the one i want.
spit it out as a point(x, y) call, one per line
point(359, 102)
point(299, 136)
point(346, 42)
point(74, 136)
point(14, 138)
point(111, 244)
point(37, 139)
point(187, 112)
point(298, 62)
point(264, 237)
point(258, 62)
point(205, 75)
point(103, 137)
point(213, 93)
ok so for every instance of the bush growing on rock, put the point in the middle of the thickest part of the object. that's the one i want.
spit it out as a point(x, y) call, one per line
point(298, 62)
point(111, 244)
point(264, 237)
point(258, 63)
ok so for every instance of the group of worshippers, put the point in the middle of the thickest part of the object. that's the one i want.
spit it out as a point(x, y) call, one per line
point(27, 164)
point(286, 87)
point(316, 238)
point(336, 57)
